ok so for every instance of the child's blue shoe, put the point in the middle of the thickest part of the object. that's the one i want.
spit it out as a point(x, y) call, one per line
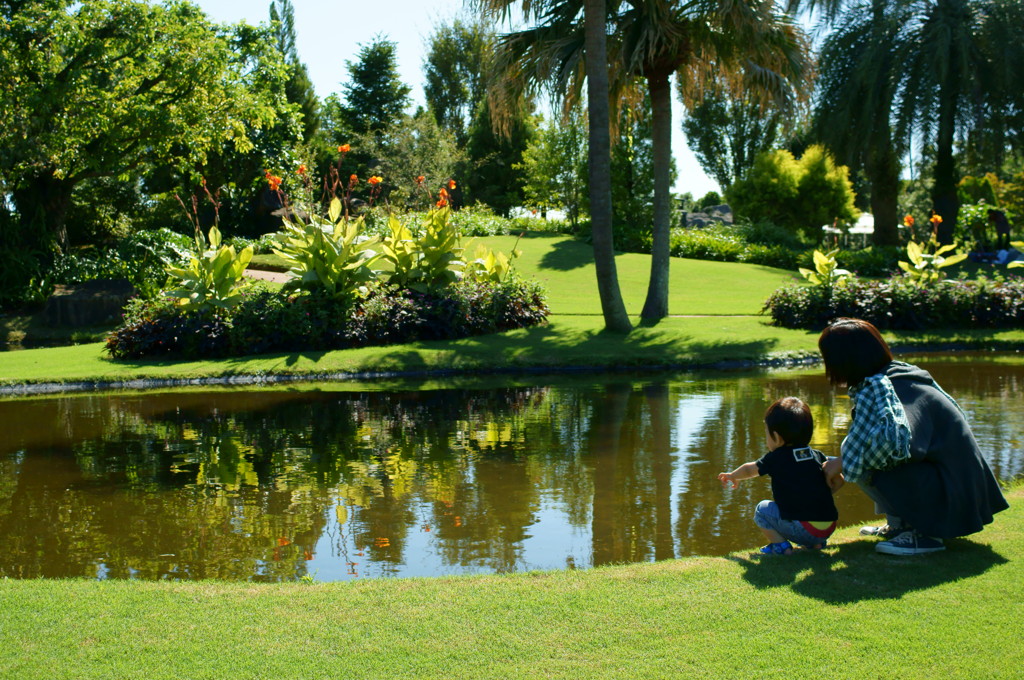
point(782, 548)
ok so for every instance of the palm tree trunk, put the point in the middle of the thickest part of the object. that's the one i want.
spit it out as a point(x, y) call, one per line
point(658, 86)
point(944, 197)
point(884, 173)
point(599, 168)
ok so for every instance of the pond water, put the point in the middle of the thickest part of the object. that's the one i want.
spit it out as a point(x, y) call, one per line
point(273, 485)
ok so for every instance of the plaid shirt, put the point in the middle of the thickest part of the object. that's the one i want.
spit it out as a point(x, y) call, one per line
point(879, 435)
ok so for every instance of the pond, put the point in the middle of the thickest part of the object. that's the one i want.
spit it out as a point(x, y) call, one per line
point(339, 484)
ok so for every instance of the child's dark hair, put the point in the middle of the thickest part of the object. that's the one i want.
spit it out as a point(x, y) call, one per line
point(791, 419)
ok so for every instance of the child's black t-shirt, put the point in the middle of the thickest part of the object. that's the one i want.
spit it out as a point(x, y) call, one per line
point(798, 484)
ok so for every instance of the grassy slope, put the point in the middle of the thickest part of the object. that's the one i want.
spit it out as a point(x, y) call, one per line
point(574, 337)
point(847, 613)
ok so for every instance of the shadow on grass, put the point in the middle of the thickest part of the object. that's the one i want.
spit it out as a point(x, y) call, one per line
point(544, 346)
point(852, 572)
point(567, 255)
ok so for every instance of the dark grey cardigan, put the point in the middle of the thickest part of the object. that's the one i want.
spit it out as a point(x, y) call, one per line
point(948, 488)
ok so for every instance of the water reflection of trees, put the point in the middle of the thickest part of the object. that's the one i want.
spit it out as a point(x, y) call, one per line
point(253, 485)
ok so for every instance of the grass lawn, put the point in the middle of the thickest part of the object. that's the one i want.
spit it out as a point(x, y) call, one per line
point(715, 307)
point(846, 613)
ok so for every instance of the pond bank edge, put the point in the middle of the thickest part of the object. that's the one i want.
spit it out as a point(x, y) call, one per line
point(261, 379)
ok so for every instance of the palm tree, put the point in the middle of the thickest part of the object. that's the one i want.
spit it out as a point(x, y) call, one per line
point(531, 59)
point(651, 40)
point(599, 167)
point(939, 70)
point(746, 43)
point(856, 92)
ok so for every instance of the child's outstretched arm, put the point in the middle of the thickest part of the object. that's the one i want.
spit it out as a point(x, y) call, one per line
point(745, 471)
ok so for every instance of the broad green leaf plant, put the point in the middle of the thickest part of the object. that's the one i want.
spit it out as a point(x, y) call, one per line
point(490, 265)
point(214, 277)
point(328, 255)
point(826, 273)
point(428, 262)
point(926, 267)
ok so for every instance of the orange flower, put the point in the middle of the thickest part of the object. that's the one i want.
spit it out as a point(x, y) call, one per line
point(353, 180)
point(935, 219)
point(375, 180)
point(274, 181)
point(908, 221)
point(302, 169)
point(283, 541)
point(421, 179)
point(442, 198)
point(344, 148)
point(451, 184)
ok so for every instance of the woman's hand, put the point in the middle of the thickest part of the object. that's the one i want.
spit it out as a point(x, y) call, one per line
point(833, 469)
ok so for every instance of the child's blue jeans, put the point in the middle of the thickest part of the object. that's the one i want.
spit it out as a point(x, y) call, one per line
point(766, 516)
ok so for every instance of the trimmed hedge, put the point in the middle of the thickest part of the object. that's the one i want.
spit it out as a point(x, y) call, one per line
point(898, 304)
point(266, 321)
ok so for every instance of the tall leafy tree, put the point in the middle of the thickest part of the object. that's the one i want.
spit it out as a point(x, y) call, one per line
point(103, 88)
point(298, 87)
point(374, 96)
point(726, 132)
point(493, 155)
point(455, 73)
point(554, 166)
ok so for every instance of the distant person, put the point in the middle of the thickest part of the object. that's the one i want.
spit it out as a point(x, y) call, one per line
point(1002, 225)
point(803, 511)
point(909, 446)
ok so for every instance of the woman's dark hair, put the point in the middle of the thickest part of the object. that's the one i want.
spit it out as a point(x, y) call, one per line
point(791, 419)
point(852, 349)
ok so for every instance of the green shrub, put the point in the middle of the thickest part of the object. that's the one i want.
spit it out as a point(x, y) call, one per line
point(873, 261)
point(712, 198)
point(799, 195)
point(712, 243)
point(142, 258)
point(265, 321)
point(900, 305)
point(160, 327)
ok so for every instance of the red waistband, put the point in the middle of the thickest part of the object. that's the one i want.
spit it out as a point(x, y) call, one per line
point(816, 532)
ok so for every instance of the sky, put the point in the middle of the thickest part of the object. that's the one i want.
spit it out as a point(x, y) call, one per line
point(329, 32)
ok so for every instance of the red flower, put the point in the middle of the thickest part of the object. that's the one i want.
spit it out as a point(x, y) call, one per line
point(442, 198)
point(302, 169)
point(420, 179)
point(375, 180)
point(344, 148)
point(451, 184)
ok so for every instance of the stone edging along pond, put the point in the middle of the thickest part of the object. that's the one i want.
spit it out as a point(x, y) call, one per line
point(262, 379)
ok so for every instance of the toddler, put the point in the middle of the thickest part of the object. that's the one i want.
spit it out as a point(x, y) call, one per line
point(803, 511)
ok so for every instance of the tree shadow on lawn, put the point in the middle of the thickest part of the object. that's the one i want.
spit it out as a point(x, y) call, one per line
point(543, 346)
point(852, 572)
point(567, 255)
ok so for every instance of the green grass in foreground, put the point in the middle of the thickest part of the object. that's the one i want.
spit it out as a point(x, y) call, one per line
point(728, 295)
point(846, 613)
